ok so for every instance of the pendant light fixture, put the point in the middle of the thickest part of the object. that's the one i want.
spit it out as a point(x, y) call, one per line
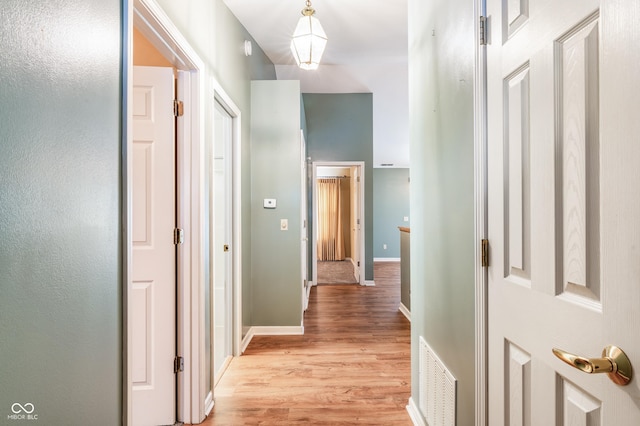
point(309, 40)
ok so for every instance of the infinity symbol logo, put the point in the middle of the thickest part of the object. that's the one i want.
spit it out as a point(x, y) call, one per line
point(17, 408)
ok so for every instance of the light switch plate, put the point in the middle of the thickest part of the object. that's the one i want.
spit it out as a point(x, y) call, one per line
point(284, 224)
point(269, 203)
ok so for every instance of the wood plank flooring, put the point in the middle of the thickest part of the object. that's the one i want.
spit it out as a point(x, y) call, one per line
point(352, 365)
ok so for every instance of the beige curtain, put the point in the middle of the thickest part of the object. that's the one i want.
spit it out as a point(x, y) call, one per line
point(330, 235)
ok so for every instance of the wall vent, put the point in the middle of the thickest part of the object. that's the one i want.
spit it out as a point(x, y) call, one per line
point(437, 388)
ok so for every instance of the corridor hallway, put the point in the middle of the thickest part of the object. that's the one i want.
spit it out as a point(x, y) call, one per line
point(352, 365)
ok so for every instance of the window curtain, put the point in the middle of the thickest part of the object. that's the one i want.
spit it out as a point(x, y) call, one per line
point(330, 236)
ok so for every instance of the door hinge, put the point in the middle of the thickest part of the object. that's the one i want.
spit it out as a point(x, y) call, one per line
point(178, 364)
point(483, 31)
point(178, 108)
point(485, 253)
point(178, 236)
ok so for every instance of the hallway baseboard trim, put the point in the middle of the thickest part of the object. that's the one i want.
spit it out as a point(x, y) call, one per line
point(269, 331)
point(386, 259)
point(414, 413)
point(369, 283)
point(276, 331)
point(406, 312)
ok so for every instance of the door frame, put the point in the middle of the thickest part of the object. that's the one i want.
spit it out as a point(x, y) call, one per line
point(225, 101)
point(480, 217)
point(150, 20)
point(314, 238)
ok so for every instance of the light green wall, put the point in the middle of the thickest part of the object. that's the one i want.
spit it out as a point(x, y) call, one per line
point(390, 206)
point(60, 201)
point(276, 173)
point(441, 73)
point(218, 38)
point(340, 128)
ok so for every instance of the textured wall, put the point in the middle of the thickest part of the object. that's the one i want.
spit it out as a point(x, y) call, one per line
point(340, 128)
point(390, 206)
point(441, 72)
point(60, 269)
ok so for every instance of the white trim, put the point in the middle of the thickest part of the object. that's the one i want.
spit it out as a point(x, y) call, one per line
point(149, 18)
point(314, 193)
point(276, 331)
point(386, 259)
point(414, 413)
point(368, 283)
point(406, 312)
point(247, 339)
point(480, 213)
point(127, 205)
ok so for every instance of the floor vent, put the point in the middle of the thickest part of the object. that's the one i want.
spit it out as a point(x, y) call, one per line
point(437, 389)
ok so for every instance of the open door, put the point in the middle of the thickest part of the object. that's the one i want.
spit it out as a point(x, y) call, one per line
point(304, 231)
point(563, 209)
point(153, 294)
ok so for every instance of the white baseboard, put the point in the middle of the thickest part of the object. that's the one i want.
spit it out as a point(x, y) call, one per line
point(369, 283)
point(406, 312)
point(277, 331)
point(414, 413)
point(246, 340)
point(269, 331)
point(386, 259)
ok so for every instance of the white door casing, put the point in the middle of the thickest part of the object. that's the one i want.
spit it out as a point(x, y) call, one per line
point(154, 256)
point(563, 208)
point(355, 223)
point(358, 167)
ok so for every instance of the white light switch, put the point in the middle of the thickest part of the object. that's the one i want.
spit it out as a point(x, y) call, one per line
point(406, 218)
point(284, 224)
point(269, 203)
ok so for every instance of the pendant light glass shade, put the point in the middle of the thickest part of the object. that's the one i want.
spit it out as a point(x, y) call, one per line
point(309, 40)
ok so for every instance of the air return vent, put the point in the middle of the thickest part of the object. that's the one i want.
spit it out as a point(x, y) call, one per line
point(437, 389)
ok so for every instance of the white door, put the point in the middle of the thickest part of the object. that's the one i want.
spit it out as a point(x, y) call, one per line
point(304, 232)
point(221, 208)
point(563, 208)
point(153, 322)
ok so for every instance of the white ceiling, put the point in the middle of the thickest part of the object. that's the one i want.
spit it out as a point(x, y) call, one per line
point(366, 53)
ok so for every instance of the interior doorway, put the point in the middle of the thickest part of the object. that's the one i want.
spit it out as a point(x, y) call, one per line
point(173, 51)
point(338, 240)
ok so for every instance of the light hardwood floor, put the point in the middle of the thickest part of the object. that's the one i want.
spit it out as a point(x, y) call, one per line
point(352, 365)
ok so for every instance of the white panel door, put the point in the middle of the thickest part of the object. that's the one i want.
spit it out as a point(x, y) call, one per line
point(564, 208)
point(154, 270)
point(304, 230)
point(222, 224)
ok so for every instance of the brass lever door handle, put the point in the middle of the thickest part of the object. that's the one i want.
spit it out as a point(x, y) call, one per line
point(614, 362)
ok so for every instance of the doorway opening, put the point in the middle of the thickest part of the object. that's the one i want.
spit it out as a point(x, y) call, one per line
point(184, 402)
point(338, 223)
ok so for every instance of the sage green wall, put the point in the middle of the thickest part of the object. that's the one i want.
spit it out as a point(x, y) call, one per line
point(60, 201)
point(441, 75)
point(276, 173)
point(218, 37)
point(340, 128)
point(60, 196)
point(390, 206)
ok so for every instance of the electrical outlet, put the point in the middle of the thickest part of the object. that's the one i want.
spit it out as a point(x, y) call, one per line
point(284, 225)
